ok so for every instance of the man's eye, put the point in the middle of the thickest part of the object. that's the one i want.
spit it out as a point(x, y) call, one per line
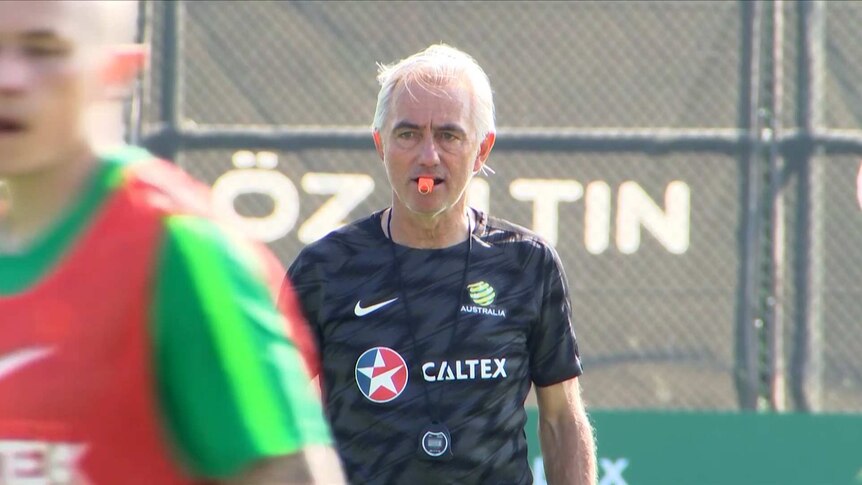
point(405, 135)
point(39, 51)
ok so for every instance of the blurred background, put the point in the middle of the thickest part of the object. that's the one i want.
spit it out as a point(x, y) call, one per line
point(694, 163)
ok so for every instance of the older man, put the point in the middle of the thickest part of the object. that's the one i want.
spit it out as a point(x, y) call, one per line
point(434, 319)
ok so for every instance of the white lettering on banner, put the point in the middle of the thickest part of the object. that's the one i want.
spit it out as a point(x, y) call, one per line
point(257, 173)
point(38, 463)
point(349, 191)
point(597, 217)
point(670, 227)
point(546, 195)
point(263, 180)
point(465, 370)
point(611, 471)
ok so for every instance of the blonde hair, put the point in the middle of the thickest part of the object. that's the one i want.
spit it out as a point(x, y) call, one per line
point(438, 65)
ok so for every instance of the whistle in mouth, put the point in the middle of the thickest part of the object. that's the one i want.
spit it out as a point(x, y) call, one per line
point(426, 185)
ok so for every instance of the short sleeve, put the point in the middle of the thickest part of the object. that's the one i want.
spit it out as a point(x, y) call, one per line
point(230, 380)
point(303, 280)
point(554, 355)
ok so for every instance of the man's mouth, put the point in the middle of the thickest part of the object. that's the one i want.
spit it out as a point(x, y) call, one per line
point(437, 180)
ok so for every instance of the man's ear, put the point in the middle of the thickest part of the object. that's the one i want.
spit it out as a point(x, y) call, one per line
point(378, 142)
point(484, 151)
point(123, 64)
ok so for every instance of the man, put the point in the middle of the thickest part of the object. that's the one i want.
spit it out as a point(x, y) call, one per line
point(432, 319)
point(140, 341)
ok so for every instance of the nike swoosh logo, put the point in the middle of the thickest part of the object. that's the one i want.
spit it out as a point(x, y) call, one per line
point(18, 359)
point(361, 311)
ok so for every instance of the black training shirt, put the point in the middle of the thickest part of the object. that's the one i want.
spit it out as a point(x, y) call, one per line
point(395, 355)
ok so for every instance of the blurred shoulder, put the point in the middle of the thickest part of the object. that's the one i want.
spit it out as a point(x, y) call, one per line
point(154, 189)
point(155, 186)
point(344, 244)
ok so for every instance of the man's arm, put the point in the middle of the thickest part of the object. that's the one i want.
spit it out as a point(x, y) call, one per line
point(311, 466)
point(565, 434)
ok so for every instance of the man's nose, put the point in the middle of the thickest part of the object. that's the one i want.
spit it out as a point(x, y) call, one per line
point(430, 154)
point(15, 75)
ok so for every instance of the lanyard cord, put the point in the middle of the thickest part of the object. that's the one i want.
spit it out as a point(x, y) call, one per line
point(406, 304)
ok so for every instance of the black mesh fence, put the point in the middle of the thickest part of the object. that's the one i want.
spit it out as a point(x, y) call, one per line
point(843, 103)
point(624, 140)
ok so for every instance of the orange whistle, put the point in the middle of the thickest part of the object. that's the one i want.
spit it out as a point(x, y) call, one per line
point(426, 185)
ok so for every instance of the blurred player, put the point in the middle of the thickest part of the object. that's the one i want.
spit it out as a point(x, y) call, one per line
point(140, 342)
point(434, 319)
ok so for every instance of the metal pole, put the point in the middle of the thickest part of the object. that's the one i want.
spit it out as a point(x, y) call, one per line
point(140, 92)
point(745, 372)
point(808, 344)
point(775, 302)
point(171, 84)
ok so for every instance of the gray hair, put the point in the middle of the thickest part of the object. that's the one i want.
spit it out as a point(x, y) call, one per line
point(438, 65)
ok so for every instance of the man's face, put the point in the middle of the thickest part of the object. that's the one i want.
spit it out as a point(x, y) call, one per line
point(430, 133)
point(47, 78)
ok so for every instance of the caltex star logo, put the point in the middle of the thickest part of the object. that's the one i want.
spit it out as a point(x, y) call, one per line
point(381, 374)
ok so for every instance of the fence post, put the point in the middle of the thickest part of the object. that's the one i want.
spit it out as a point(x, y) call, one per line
point(167, 140)
point(775, 297)
point(133, 107)
point(808, 345)
point(746, 368)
